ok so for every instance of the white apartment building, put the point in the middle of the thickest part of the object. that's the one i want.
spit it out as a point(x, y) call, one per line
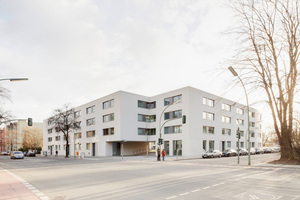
point(123, 123)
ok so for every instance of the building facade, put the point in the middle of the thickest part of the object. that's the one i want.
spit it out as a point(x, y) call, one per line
point(15, 132)
point(123, 123)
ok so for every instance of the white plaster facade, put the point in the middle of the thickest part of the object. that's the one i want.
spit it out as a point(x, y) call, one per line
point(125, 124)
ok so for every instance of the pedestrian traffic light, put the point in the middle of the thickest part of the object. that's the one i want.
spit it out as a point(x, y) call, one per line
point(29, 121)
point(183, 119)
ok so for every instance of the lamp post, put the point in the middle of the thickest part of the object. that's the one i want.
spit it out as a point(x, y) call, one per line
point(13, 79)
point(235, 74)
point(161, 126)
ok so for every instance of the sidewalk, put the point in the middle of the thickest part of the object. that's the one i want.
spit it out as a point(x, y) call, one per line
point(15, 188)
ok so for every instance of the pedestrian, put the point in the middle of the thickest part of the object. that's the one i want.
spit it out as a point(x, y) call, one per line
point(163, 154)
point(56, 153)
point(158, 154)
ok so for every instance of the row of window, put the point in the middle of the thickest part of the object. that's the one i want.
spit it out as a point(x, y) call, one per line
point(77, 147)
point(211, 144)
point(226, 131)
point(225, 119)
point(211, 103)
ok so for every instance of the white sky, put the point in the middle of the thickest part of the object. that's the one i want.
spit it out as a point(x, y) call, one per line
point(78, 51)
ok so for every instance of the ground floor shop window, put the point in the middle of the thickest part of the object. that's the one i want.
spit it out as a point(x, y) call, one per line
point(177, 148)
point(167, 147)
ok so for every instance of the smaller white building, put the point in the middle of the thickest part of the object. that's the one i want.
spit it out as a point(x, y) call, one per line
point(124, 123)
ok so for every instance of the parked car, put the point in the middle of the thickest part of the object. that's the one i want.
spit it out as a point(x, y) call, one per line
point(243, 152)
point(259, 151)
point(17, 154)
point(268, 150)
point(212, 154)
point(4, 153)
point(276, 149)
point(30, 154)
point(230, 152)
point(252, 151)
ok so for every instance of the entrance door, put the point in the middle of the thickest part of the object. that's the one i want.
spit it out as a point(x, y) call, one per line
point(94, 149)
point(167, 146)
point(51, 150)
point(116, 149)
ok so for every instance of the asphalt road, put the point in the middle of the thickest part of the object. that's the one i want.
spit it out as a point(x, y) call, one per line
point(145, 178)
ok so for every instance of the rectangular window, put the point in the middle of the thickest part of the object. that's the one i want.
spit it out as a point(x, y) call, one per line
point(173, 129)
point(90, 122)
point(90, 109)
point(253, 144)
point(50, 121)
point(177, 147)
point(170, 100)
point(57, 129)
point(57, 138)
point(78, 146)
point(77, 125)
point(228, 144)
point(108, 131)
point(77, 114)
point(49, 139)
point(173, 114)
point(147, 105)
point(239, 122)
point(88, 146)
point(204, 145)
point(90, 134)
point(208, 102)
point(226, 107)
point(226, 119)
point(252, 134)
point(226, 131)
point(240, 111)
point(211, 144)
point(108, 118)
point(50, 130)
point(77, 135)
point(208, 129)
point(242, 145)
point(108, 104)
point(146, 131)
point(252, 124)
point(146, 118)
point(252, 114)
point(208, 116)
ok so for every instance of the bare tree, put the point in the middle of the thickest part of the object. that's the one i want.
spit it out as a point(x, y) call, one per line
point(5, 116)
point(65, 120)
point(268, 58)
point(33, 138)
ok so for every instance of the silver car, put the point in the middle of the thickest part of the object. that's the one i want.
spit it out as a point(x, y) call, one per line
point(17, 154)
point(212, 154)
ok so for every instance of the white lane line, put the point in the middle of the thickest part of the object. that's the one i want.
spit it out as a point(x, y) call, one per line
point(206, 188)
point(196, 190)
point(215, 185)
point(172, 197)
point(184, 194)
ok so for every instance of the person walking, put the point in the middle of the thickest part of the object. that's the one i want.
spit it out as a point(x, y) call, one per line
point(163, 154)
point(158, 154)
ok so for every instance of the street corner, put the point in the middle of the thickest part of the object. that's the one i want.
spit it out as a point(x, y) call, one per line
point(13, 187)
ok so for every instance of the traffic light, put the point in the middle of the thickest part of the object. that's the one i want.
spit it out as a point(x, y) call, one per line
point(29, 121)
point(238, 135)
point(183, 119)
point(160, 141)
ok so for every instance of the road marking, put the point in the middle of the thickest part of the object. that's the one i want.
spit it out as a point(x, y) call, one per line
point(206, 188)
point(184, 194)
point(215, 185)
point(196, 190)
point(253, 196)
point(172, 197)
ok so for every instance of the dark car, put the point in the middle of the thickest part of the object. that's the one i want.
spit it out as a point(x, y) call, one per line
point(212, 154)
point(229, 152)
point(30, 154)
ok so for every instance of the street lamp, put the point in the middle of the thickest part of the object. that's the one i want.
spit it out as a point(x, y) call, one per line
point(13, 79)
point(235, 74)
point(161, 126)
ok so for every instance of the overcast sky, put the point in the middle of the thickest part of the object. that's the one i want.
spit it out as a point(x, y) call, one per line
point(78, 51)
